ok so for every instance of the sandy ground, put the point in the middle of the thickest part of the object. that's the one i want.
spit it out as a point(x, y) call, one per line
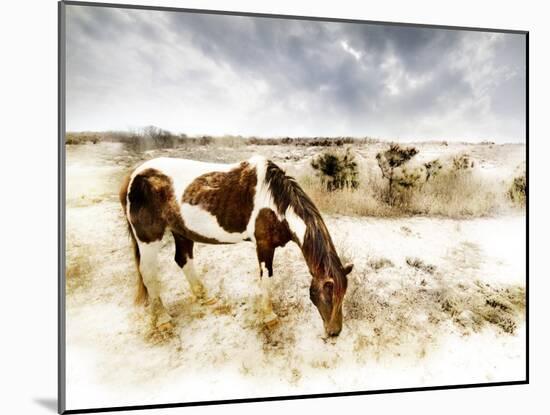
point(431, 301)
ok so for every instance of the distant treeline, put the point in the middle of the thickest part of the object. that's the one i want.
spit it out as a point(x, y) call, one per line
point(154, 137)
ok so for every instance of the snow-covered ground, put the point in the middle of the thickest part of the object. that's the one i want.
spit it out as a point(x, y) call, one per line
point(431, 301)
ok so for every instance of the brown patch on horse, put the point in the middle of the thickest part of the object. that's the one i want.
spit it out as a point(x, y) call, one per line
point(269, 233)
point(141, 290)
point(229, 196)
point(154, 208)
point(151, 194)
point(184, 249)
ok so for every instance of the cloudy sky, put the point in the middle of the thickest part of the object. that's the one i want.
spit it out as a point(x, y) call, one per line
point(211, 74)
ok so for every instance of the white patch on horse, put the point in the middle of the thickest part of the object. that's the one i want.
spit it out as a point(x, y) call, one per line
point(205, 224)
point(296, 224)
point(263, 198)
point(262, 195)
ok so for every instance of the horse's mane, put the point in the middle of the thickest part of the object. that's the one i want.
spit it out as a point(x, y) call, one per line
point(317, 246)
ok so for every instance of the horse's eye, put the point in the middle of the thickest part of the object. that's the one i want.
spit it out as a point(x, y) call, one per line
point(328, 288)
point(313, 294)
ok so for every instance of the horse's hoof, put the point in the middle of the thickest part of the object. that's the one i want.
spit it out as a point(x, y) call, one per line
point(210, 301)
point(272, 323)
point(165, 326)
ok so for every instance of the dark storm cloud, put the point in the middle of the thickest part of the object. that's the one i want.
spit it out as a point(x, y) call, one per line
point(225, 74)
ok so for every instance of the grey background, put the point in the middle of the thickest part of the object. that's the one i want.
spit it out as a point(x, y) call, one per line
point(216, 74)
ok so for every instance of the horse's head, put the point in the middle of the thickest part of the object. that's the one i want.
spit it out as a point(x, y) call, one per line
point(327, 293)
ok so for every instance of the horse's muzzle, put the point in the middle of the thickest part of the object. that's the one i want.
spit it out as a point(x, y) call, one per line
point(333, 331)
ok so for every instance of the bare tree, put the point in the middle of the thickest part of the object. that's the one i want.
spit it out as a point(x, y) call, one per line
point(392, 158)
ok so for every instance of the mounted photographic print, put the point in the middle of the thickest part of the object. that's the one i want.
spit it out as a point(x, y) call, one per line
point(264, 207)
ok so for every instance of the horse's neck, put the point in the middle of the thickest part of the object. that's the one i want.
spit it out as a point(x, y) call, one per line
point(317, 248)
point(296, 224)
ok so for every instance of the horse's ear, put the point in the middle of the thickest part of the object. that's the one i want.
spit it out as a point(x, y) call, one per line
point(348, 268)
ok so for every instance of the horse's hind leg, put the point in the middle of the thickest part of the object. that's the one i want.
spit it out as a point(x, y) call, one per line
point(184, 258)
point(148, 267)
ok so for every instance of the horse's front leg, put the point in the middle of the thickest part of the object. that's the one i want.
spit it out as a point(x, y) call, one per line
point(268, 316)
point(265, 259)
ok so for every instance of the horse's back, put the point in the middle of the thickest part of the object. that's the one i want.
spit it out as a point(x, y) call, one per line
point(182, 172)
point(209, 199)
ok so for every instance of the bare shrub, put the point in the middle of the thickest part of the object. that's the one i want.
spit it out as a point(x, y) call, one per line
point(311, 141)
point(432, 168)
point(420, 265)
point(406, 181)
point(75, 138)
point(146, 138)
point(447, 192)
point(328, 141)
point(518, 190)
point(142, 139)
point(269, 141)
point(204, 140)
point(391, 159)
point(158, 137)
point(379, 263)
point(152, 137)
point(337, 170)
point(462, 162)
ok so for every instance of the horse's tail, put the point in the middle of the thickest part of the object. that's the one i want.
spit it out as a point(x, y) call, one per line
point(141, 290)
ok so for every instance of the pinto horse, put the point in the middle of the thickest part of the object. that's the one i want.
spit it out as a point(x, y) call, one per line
point(223, 204)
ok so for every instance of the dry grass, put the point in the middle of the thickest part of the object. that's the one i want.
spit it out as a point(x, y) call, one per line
point(455, 194)
point(407, 319)
point(363, 201)
point(78, 270)
point(473, 307)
